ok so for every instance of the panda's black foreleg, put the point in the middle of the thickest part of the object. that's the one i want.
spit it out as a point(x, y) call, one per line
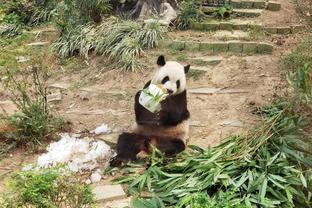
point(171, 147)
point(128, 146)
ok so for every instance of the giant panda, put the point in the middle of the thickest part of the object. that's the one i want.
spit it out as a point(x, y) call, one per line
point(168, 129)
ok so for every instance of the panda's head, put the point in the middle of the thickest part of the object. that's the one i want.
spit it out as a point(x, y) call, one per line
point(171, 75)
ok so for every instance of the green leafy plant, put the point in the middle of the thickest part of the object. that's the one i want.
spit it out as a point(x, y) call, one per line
point(28, 91)
point(225, 11)
point(300, 55)
point(189, 12)
point(47, 188)
point(301, 80)
point(266, 167)
point(75, 41)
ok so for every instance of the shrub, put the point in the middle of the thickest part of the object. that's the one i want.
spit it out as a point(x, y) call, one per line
point(301, 80)
point(75, 40)
point(124, 42)
point(28, 91)
point(189, 12)
point(301, 55)
point(47, 188)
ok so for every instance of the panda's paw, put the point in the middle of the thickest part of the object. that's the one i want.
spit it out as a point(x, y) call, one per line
point(116, 162)
point(142, 155)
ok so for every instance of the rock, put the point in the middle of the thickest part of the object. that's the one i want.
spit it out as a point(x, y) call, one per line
point(213, 26)
point(220, 47)
point(211, 90)
point(210, 60)
point(108, 193)
point(191, 46)
point(259, 4)
point(204, 90)
point(88, 181)
point(22, 59)
point(297, 28)
point(102, 129)
point(237, 34)
point(264, 48)
point(96, 176)
point(226, 26)
point(248, 12)
point(201, 68)
point(274, 6)
point(38, 44)
point(234, 123)
point(62, 86)
point(206, 47)
point(283, 30)
point(250, 47)
point(231, 91)
point(54, 97)
point(235, 47)
point(271, 30)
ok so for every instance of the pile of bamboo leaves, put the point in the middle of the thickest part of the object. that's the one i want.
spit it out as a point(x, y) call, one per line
point(268, 167)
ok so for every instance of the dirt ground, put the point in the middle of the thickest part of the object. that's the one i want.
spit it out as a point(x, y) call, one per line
point(93, 93)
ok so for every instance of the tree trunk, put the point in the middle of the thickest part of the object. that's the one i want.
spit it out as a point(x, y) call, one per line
point(141, 8)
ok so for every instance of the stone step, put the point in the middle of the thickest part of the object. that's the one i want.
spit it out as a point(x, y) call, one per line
point(247, 12)
point(248, 4)
point(236, 46)
point(209, 60)
point(245, 25)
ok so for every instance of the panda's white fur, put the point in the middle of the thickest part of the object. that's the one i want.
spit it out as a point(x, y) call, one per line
point(175, 72)
point(167, 130)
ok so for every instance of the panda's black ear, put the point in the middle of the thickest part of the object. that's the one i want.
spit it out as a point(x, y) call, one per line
point(161, 61)
point(186, 68)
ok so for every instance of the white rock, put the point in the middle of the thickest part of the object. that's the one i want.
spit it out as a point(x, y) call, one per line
point(96, 176)
point(102, 129)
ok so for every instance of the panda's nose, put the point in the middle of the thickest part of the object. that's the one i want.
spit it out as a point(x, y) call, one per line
point(169, 91)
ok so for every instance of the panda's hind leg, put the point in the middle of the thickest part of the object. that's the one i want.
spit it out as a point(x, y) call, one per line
point(170, 147)
point(128, 146)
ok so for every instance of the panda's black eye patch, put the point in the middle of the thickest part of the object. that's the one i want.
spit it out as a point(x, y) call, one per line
point(164, 80)
point(178, 84)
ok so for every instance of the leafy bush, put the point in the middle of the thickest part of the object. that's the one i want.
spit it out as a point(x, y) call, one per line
point(47, 188)
point(75, 40)
point(189, 12)
point(123, 41)
point(301, 55)
point(29, 93)
point(302, 82)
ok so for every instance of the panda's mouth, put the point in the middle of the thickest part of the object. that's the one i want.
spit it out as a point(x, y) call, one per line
point(169, 91)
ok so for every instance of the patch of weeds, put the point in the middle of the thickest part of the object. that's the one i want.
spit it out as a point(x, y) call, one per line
point(301, 55)
point(189, 12)
point(195, 74)
point(12, 48)
point(301, 80)
point(28, 91)
point(182, 57)
point(255, 32)
point(72, 64)
point(47, 188)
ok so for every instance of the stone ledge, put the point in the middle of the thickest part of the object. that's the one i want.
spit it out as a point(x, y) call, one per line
point(229, 26)
point(273, 6)
point(220, 47)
